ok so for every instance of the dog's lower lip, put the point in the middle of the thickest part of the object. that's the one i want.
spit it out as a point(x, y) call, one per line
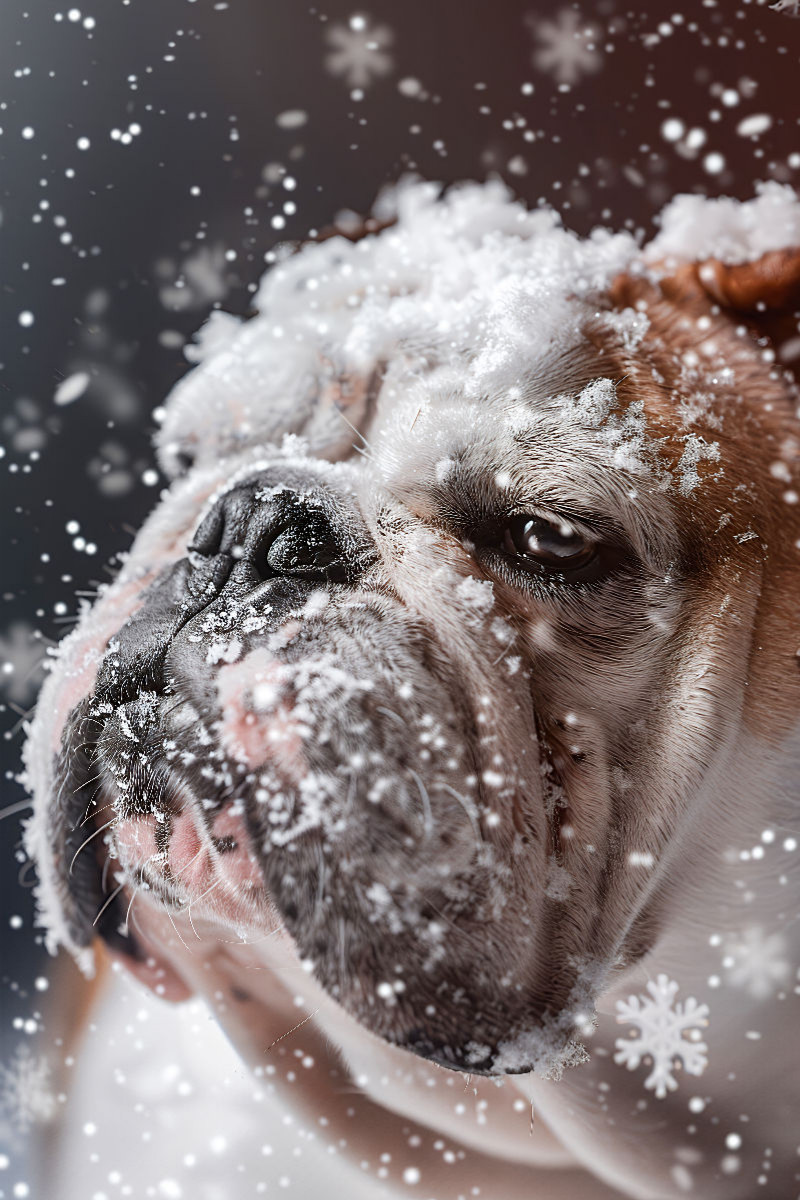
point(472, 1059)
point(467, 1063)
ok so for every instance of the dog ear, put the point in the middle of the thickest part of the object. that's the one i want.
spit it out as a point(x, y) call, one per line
point(764, 295)
point(771, 284)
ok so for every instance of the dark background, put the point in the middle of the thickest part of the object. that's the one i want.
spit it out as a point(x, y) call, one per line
point(144, 157)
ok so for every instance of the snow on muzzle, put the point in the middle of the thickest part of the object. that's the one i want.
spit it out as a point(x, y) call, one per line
point(272, 731)
point(114, 760)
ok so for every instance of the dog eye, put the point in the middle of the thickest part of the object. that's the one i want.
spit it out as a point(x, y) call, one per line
point(553, 544)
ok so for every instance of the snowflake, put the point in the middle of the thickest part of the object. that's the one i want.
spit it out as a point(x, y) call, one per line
point(792, 7)
point(358, 51)
point(567, 46)
point(21, 659)
point(756, 961)
point(26, 1094)
point(202, 279)
point(666, 1034)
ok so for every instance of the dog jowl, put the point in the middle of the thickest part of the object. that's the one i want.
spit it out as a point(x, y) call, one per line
point(275, 729)
point(439, 652)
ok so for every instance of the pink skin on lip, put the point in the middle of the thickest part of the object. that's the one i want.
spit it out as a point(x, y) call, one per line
point(216, 884)
point(220, 880)
point(258, 727)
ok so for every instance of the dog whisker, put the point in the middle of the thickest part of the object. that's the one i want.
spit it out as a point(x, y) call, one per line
point(178, 932)
point(108, 900)
point(426, 803)
point(294, 1029)
point(90, 816)
point(91, 838)
point(468, 807)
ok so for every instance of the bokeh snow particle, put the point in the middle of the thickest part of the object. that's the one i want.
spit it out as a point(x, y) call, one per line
point(358, 53)
point(21, 661)
point(26, 1094)
point(567, 46)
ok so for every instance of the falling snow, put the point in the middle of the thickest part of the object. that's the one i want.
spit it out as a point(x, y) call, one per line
point(757, 961)
point(566, 46)
point(668, 1034)
point(142, 200)
point(26, 1092)
point(22, 657)
point(359, 52)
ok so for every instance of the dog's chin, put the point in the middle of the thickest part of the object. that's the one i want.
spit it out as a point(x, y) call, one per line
point(392, 926)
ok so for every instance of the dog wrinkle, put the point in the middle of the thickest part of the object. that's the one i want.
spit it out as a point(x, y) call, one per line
point(467, 857)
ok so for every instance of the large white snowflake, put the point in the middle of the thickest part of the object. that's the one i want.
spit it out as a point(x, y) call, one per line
point(358, 51)
point(788, 6)
point(21, 659)
point(757, 961)
point(668, 1035)
point(567, 46)
point(26, 1092)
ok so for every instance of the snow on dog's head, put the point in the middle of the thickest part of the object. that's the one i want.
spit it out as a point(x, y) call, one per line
point(406, 660)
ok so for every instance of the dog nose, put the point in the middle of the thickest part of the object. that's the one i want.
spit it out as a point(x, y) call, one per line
point(272, 531)
point(252, 533)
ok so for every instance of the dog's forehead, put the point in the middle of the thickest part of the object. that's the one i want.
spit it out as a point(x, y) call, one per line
point(472, 282)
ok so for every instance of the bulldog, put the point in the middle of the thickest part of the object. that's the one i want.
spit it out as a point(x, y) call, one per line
point(444, 716)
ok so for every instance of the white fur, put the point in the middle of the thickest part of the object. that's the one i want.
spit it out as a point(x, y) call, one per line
point(455, 338)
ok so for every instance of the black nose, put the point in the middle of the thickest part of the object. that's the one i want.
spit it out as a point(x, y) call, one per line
point(272, 531)
point(252, 533)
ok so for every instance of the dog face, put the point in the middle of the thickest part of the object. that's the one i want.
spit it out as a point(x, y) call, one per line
point(435, 656)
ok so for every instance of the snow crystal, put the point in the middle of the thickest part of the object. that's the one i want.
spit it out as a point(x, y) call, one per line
point(667, 1033)
point(567, 46)
point(22, 659)
point(471, 281)
point(630, 325)
point(359, 51)
point(476, 596)
point(757, 962)
point(227, 652)
point(26, 1092)
point(592, 406)
point(696, 450)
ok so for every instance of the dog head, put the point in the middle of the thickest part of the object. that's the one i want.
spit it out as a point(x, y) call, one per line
point(475, 569)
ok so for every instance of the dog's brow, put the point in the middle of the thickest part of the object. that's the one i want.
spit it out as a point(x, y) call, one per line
point(542, 466)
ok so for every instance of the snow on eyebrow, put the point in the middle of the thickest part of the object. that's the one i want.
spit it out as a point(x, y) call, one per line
point(472, 280)
point(570, 465)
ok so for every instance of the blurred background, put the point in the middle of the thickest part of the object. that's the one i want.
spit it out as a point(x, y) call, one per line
point(153, 153)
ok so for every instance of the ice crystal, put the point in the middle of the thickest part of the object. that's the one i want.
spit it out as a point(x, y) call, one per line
point(26, 1094)
point(358, 51)
point(567, 49)
point(201, 279)
point(757, 962)
point(21, 658)
point(668, 1035)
